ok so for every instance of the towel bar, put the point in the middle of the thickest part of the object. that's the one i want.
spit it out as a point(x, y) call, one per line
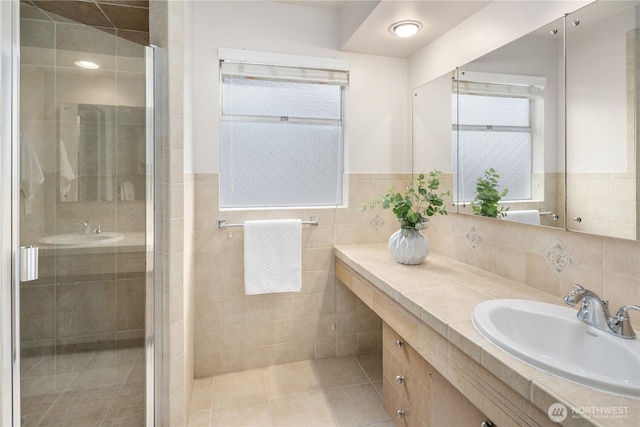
point(553, 215)
point(222, 223)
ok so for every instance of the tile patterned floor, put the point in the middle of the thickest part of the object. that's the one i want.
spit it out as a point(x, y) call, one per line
point(343, 391)
point(104, 388)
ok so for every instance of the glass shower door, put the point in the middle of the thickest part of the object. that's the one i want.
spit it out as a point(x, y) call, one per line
point(83, 202)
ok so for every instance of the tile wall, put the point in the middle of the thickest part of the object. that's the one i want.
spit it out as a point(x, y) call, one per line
point(549, 259)
point(605, 202)
point(84, 300)
point(235, 332)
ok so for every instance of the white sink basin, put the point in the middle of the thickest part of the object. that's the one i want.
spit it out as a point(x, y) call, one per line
point(81, 239)
point(551, 338)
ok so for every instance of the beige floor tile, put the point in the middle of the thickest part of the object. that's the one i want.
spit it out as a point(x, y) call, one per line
point(27, 364)
point(45, 385)
point(292, 378)
point(95, 380)
point(201, 394)
point(60, 364)
point(114, 358)
point(239, 389)
point(254, 415)
point(338, 372)
point(200, 418)
point(371, 363)
point(308, 409)
point(70, 390)
point(378, 386)
point(358, 405)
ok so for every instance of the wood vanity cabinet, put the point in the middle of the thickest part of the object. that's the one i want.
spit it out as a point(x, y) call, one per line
point(415, 394)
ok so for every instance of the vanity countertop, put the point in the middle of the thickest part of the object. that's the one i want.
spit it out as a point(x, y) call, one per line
point(443, 292)
point(132, 241)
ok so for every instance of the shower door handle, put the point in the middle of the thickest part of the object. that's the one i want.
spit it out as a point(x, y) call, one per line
point(28, 263)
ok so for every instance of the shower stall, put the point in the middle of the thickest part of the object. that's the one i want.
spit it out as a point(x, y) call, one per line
point(77, 223)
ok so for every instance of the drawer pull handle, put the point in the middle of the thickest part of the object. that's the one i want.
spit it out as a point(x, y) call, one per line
point(487, 423)
point(399, 343)
point(400, 413)
point(400, 379)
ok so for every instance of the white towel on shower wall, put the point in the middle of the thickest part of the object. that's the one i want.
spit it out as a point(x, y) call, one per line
point(31, 176)
point(525, 216)
point(272, 256)
point(66, 175)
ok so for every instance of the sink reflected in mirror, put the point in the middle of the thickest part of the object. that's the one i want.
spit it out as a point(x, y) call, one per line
point(81, 239)
point(551, 338)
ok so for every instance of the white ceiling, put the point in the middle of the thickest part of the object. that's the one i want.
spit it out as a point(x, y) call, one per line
point(365, 23)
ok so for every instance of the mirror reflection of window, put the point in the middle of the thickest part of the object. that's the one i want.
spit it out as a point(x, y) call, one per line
point(499, 120)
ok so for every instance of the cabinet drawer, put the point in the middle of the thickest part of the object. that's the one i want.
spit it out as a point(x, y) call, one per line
point(393, 403)
point(405, 353)
point(414, 390)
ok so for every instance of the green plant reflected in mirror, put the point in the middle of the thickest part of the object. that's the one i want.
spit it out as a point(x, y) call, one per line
point(488, 195)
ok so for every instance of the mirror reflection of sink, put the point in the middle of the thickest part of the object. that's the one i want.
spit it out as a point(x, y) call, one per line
point(551, 338)
point(82, 239)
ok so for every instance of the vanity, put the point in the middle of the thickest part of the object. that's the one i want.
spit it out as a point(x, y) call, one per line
point(439, 370)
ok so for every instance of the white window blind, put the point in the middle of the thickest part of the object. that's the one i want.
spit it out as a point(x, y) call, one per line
point(281, 136)
point(492, 124)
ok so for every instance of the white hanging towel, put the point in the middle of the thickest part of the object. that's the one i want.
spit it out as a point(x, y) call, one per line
point(525, 216)
point(31, 176)
point(66, 173)
point(272, 256)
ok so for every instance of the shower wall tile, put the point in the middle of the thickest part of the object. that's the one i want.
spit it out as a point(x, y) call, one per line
point(37, 91)
point(85, 86)
point(131, 88)
point(129, 304)
point(86, 309)
point(87, 297)
point(38, 313)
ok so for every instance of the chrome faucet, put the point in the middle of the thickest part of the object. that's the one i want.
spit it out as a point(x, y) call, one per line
point(86, 227)
point(595, 312)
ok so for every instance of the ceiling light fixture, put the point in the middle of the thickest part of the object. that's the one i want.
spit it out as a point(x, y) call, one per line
point(405, 28)
point(87, 64)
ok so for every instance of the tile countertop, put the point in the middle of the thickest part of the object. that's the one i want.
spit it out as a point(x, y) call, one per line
point(443, 292)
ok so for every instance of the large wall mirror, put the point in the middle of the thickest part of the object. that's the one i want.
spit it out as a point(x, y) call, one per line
point(504, 114)
point(101, 153)
point(602, 100)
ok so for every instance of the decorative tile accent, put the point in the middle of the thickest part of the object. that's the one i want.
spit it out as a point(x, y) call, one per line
point(559, 258)
point(376, 222)
point(473, 237)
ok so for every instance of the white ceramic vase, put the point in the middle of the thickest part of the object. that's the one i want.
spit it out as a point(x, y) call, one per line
point(409, 246)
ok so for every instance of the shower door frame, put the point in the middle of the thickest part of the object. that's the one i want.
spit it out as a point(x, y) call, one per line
point(10, 226)
point(9, 204)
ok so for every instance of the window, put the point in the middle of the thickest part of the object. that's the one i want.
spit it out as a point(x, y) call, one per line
point(281, 139)
point(493, 127)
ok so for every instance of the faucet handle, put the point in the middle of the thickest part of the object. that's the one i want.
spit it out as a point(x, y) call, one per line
point(98, 230)
point(621, 324)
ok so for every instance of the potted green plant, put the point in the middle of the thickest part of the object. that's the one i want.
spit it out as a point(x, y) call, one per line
point(412, 208)
point(488, 195)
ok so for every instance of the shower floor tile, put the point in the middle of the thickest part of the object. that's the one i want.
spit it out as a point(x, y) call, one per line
point(341, 391)
point(100, 388)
